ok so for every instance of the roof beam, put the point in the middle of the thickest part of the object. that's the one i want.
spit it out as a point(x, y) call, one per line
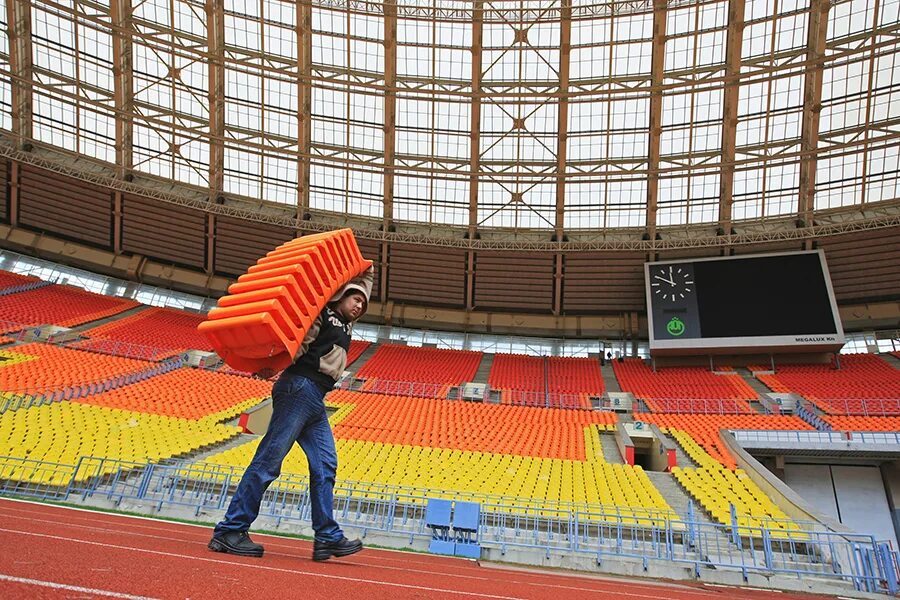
point(817, 32)
point(304, 104)
point(123, 71)
point(390, 107)
point(565, 40)
point(733, 48)
point(474, 144)
point(215, 34)
point(565, 53)
point(657, 66)
point(18, 19)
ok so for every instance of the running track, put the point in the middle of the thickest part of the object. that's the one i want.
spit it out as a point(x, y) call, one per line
point(55, 552)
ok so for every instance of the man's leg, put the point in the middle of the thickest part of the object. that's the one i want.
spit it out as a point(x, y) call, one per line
point(288, 420)
point(317, 442)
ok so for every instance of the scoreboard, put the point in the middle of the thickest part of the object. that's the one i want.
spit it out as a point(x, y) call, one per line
point(760, 303)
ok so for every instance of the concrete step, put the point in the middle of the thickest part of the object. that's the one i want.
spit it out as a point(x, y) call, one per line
point(484, 368)
point(122, 315)
point(758, 386)
point(611, 449)
point(359, 362)
point(677, 497)
point(609, 378)
point(891, 359)
point(204, 453)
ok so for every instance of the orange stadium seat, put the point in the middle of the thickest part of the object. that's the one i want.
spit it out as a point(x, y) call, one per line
point(357, 347)
point(10, 280)
point(520, 379)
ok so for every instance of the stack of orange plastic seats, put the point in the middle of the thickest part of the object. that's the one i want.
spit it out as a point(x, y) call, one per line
point(864, 384)
point(262, 322)
point(705, 428)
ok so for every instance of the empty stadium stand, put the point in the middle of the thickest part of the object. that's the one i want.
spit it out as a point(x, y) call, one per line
point(63, 432)
point(704, 429)
point(864, 384)
point(503, 455)
point(58, 305)
point(357, 347)
point(164, 328)
point(520, 379)
point(684, 389)
point(44, 367)
point(187, 393)
point(392, 362)
point(11, 280)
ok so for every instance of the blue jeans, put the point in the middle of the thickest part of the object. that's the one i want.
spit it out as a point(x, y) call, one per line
point(298, 415)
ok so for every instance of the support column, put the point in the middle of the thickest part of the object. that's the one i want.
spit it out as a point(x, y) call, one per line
point(18, 18)
point(812, 107)
point(215, 33)
point(729, 111)
point(304, 104)
point(657, 66)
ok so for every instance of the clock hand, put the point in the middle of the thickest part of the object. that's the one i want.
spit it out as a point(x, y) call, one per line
point(666, 280)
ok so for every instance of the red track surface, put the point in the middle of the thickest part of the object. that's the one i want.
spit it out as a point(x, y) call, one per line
point(55, 552)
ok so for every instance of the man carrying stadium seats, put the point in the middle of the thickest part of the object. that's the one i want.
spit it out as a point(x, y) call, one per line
point(298, 415)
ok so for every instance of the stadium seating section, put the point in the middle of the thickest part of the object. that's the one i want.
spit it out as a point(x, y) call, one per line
point(855, 423)
point(704, 429)
point(10, 280)
point(63, 432)
point(58, 305)
point(394, 363)
point(188, 394)
point(538, 381)
point(507, 456)
point(684, 389)
point(164, 328)
point(865, 384)
point(43, 367)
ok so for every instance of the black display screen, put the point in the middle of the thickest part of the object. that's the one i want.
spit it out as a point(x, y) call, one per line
point(765, 296)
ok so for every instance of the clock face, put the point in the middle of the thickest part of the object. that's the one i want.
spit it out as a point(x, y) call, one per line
point(671, 283)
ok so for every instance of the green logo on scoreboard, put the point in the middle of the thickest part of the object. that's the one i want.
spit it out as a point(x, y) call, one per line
point(675, 326)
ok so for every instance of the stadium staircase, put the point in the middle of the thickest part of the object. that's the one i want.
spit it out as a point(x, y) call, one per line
point(610, 449)
point(122, 315)
point(484, 368)
point(609, 378)
point(363, 358)
point(891, 360)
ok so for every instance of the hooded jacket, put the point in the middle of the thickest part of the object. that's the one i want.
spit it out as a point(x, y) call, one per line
point(323, 355)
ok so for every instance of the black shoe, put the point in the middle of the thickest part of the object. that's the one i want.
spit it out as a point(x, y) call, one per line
point(342, 547)
point(235, 542)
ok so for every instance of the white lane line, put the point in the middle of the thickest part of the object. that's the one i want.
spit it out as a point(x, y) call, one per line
point(71, 588)
point(262, 567)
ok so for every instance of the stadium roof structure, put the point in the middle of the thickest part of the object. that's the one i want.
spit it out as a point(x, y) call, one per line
point(578, 133)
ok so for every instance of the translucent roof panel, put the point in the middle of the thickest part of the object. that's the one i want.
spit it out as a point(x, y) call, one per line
point(515, 114)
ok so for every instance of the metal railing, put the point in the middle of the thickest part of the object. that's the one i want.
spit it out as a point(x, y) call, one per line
point(861, 407)
point(861, 560)
point(706, 406)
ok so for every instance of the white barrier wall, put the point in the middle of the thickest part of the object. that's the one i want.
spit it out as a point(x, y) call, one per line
point(853, 495)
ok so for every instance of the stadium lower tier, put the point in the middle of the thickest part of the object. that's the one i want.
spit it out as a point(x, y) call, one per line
point(187, 393)
point(533, 484)
point(43, 367)
point(717, 488)
point(63, 432)
point(704, 429)
point(477, 427)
